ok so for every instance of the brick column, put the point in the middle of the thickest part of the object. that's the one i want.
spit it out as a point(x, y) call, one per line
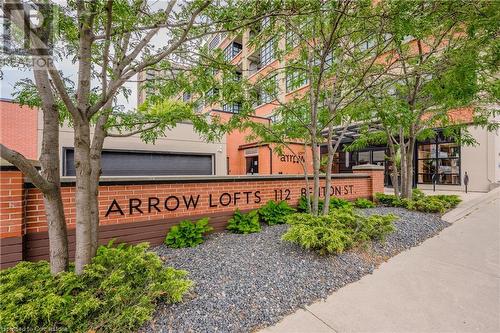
point(376, 173)
point(11, 216)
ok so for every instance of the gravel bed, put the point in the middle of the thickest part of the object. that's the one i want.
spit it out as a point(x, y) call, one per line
point(245, 282)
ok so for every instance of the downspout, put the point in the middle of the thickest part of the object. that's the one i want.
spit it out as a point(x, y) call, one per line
point(270, 159)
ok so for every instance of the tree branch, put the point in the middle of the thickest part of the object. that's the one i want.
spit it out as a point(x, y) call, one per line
point(26, 167)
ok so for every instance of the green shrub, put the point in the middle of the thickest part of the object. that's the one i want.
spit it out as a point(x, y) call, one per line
point(335, 203)
point(338, 231)
point(449, 201)
point(417, 194)
point(244, 223)
point(274, 213)
point(117, 292)
point(320, 233)
point(430, 205)
point(187, 233)
point(385, 199)
point(420, 202)
point(363, 203)
point(404, 202)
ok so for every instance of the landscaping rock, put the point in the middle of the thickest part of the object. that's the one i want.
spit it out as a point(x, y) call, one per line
point(245, 282)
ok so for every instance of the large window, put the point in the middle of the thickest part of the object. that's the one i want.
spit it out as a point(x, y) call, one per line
point(232, 107)
point(232, 50)
point(267, 53)
point(268, 89)
point(146, 163)
point(439, 158)
point(295, 79)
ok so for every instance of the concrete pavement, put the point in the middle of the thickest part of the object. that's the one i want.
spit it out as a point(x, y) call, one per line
point(449, 283)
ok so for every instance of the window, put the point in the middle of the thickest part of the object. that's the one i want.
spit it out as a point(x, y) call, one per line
point(267, 53)
point(439, 158)
point(266, 22)
point(214, 42)
point(212, 92)
point(232, 50)
point(145, 163)
point(295, 79)
point(268, 89)
point(232, 107)
point(363, 157)
point(292, 39)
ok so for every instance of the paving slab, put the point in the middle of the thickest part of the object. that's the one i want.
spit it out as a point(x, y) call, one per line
point(450, 283)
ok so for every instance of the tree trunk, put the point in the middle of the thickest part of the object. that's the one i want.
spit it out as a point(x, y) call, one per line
point(403, 169)
point(50, 170)
point(95, 174)
point(306, 178)
point(83, 253)
point(409, 168)
point(315, 156)
point(328, 173)
point(394, 170)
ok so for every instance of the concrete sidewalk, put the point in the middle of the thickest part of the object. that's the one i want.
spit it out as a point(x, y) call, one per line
point(449, 283)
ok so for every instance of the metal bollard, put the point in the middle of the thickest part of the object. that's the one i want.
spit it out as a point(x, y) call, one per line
point(466, 181)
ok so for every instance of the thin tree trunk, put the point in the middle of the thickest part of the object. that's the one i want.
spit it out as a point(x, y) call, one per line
point(50, 170)
point(315, 156)
point(328, 173)
point(394, 171)
point(409, 168)
point(306, 178)
point(95, 174)
point(83, 253)
point(402, 150)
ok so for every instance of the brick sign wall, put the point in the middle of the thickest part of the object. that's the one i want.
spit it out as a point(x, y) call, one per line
point(137, 210)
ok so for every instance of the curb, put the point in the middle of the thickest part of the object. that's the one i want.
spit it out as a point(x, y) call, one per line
point(470, 206)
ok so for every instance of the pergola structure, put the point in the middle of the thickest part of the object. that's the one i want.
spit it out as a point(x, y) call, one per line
point(352, 132)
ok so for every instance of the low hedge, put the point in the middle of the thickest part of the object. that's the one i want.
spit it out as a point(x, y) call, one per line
point(420, 202)
point(117, 292)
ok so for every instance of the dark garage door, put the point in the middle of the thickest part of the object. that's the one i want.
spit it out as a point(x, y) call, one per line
point(125, 163)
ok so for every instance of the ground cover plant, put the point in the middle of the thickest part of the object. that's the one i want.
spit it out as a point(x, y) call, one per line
point(274, 213)
point(244, 223)
point(187, 233)
point(334, 203)
point(116, 292)
point(363, 203)
point(420, 202)
point(337, 231)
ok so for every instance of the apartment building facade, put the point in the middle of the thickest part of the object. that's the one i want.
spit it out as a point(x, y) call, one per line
point(440, 163)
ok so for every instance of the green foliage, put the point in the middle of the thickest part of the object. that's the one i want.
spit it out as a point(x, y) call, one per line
point(430, 205)
point(244, 223)
point(274, 213)
point(115, 293)
point(417, 194)
point(404, 203)
point(338, 231)
point(335, 203)
point(187, 233)
point(363, 203)
point(449, 201)
point(385, 199)
point(421, 202)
